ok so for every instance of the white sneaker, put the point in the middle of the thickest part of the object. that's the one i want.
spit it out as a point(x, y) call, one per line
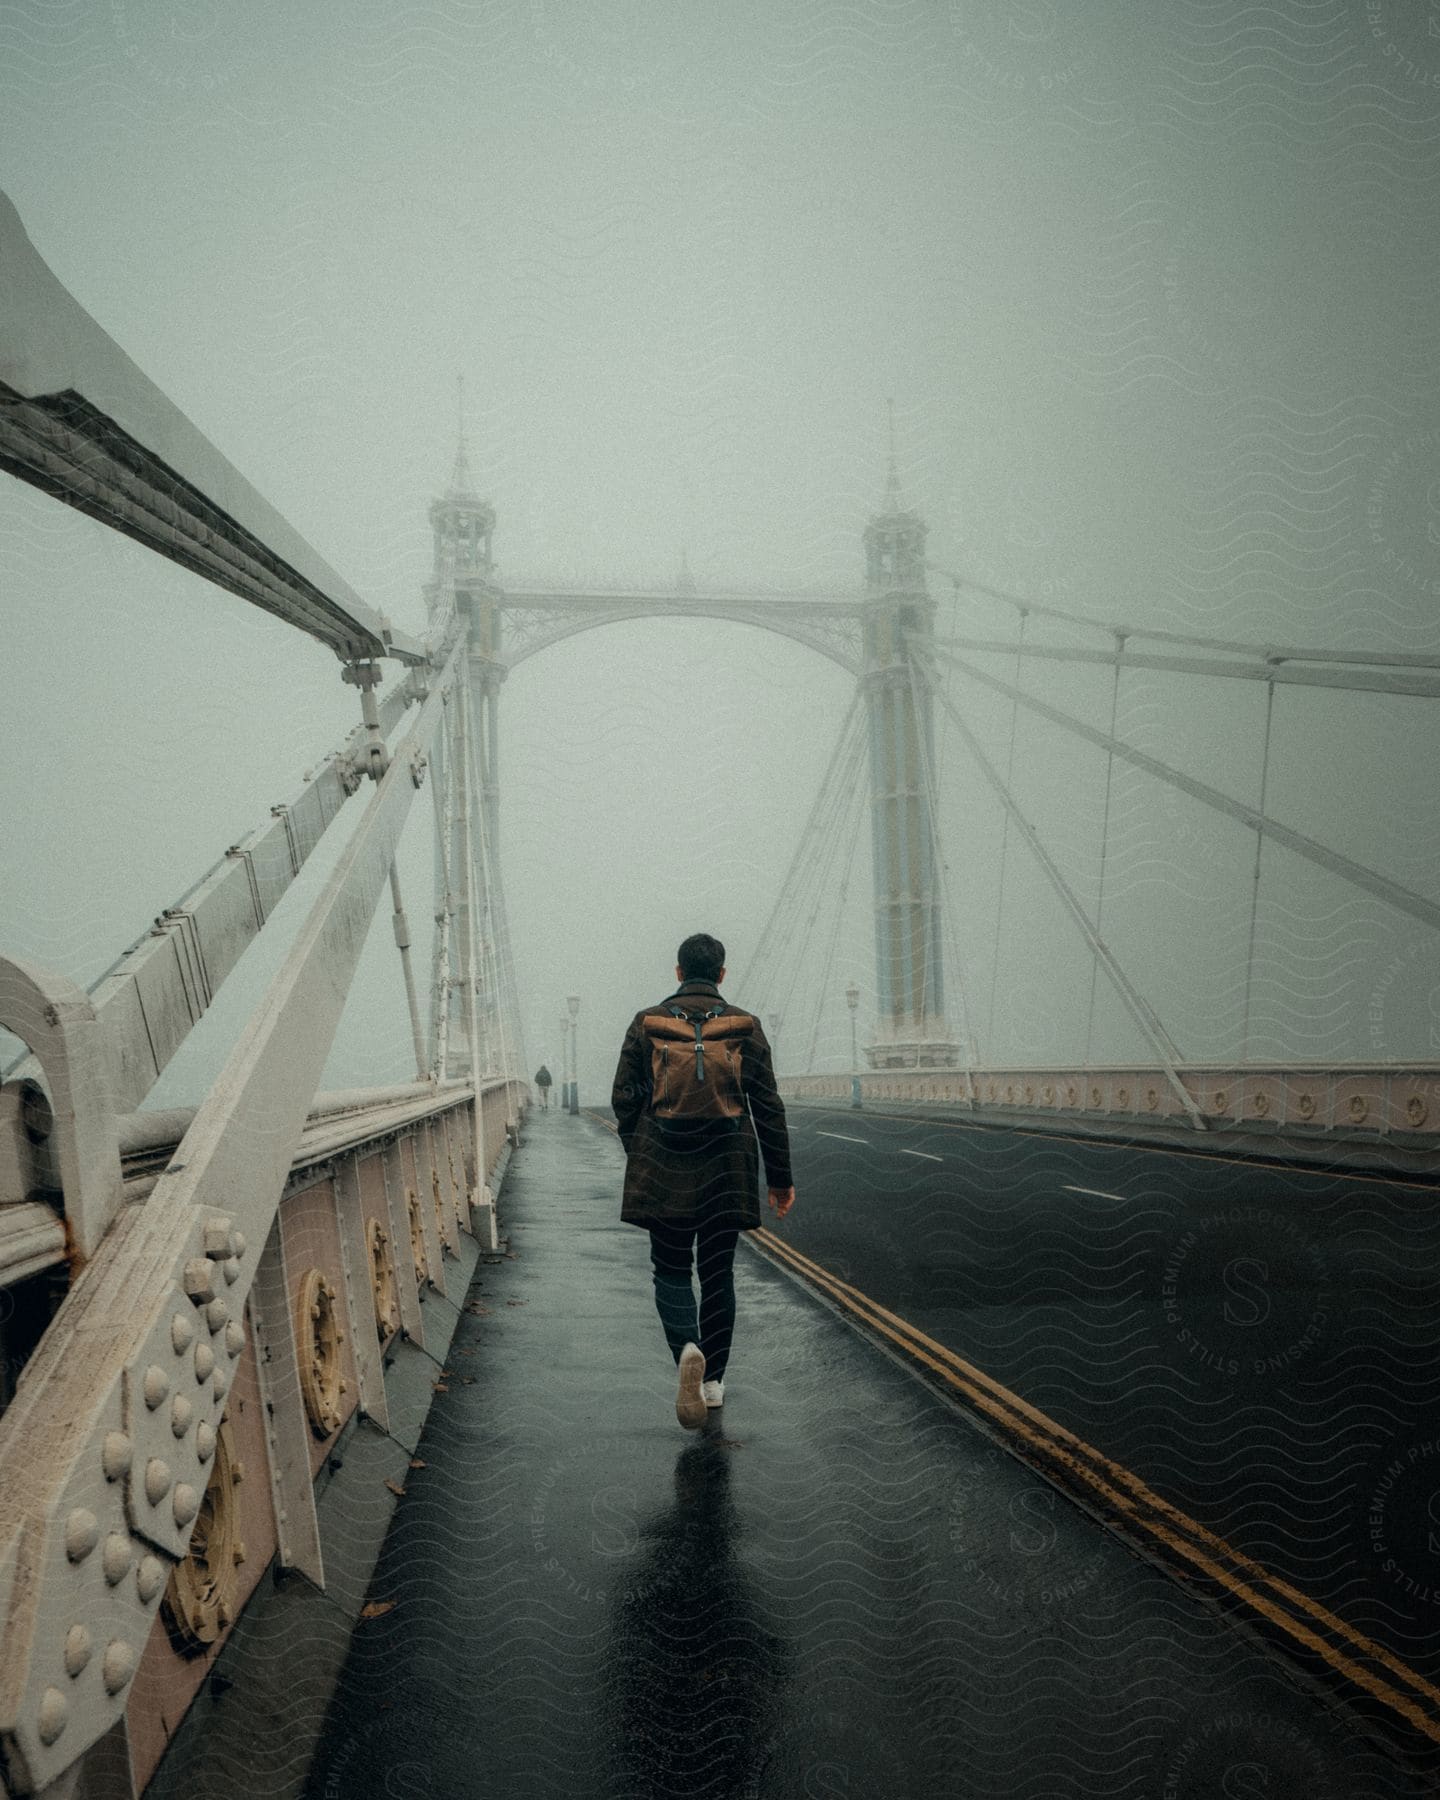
point(713, 1392)
point(690, 1406)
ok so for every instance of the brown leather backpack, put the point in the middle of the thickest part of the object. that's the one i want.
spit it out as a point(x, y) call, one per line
point(696, 1067)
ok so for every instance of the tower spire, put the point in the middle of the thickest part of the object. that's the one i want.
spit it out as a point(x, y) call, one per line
point(463, 524)
point(892, 479)
point(461, 483)
point(895, 537)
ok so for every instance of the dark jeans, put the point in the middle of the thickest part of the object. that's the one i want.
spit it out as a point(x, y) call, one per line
point(713, 1327)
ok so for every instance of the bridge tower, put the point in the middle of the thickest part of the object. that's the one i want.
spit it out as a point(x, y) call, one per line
point(911, 1027)
point(463, 584)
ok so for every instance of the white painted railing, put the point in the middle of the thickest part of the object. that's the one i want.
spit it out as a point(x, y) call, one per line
point(1383, 1101)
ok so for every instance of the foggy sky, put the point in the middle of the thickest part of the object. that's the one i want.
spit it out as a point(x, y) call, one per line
point(1152, 290)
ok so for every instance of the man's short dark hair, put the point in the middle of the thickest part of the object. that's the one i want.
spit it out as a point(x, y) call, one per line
point(701, 957)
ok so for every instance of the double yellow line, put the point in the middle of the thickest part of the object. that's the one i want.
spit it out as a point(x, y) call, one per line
point(1135, 1509)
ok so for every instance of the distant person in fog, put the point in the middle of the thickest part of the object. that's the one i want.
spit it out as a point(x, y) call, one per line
point(544, 1083)
point(694, 1072)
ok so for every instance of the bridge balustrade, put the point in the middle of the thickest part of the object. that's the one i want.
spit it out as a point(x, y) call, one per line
point(1357, 1101)
point(374, 1211)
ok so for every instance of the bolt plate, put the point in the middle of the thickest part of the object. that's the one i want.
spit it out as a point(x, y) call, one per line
point(152, 1432)
point(77, 1593)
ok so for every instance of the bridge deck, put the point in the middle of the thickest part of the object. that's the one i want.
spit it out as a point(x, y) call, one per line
point(839, 1586)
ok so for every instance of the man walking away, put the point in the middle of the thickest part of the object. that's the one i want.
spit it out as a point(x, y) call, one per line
point(543, 1082)
point(696, 1105)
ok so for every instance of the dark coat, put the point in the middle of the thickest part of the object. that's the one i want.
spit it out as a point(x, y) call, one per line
point(718, 1179)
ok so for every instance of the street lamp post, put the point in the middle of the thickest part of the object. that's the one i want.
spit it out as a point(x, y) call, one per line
point(573, 1002)
point(852, 1000)
point(563, 1099)
point(774, 1022)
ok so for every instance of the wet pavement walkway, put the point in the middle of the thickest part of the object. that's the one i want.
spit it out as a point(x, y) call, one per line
point(839, 1586)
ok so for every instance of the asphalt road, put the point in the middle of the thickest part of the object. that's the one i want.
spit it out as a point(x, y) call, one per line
point(836, 1587)
point(1260, 1344)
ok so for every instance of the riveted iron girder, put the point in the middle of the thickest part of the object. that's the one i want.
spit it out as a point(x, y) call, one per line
point(81, 421)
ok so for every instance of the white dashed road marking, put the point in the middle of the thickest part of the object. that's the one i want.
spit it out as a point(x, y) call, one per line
point(1099, 1193)
point(842, 1137)
point(925, 1153)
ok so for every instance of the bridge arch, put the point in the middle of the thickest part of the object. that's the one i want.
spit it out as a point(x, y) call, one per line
point(866, 636)
point(833, 633)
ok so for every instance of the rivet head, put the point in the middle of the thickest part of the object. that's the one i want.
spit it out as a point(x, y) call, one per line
point(217, 1386)
point(237, 1243)
point(157, 1480)
point(237, 1469)
point(116, 1455)
point(232, 1270)
point(53, 1713)
point(234, 1337)
point(186, 1503)
point(204, 1440)
point(82, 1533)
point(216, 1314)
point(115, 1557)
point(200, 1279)
point(204, 1362)
point(181, 1412)
point(156, 1385)
point(217, 1238)
point(77, 1649)
point(149, 1577)
point(182, 1330)
point(117, 1665)
point(239, 1550)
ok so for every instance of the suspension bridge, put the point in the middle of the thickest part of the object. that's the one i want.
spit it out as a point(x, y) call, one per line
point(214, 1317)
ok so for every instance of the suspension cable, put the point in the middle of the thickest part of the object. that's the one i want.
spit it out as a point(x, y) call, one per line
point(1140, 1009)
point(795, 899)
point(1266, 665)
point(491, 949)
point(1255, 876)
point(802, 860)
point(850, 831)
point(806, 912)
point(781, 924)
point(947, 907)
point(470, 943)
point(445, 811)
point(1004, 842)
point(821, 883)
point(1104, 842)
point(1401, 898)
point(1374, 658)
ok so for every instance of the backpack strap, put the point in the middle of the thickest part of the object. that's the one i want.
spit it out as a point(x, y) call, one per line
point(698, 1022)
